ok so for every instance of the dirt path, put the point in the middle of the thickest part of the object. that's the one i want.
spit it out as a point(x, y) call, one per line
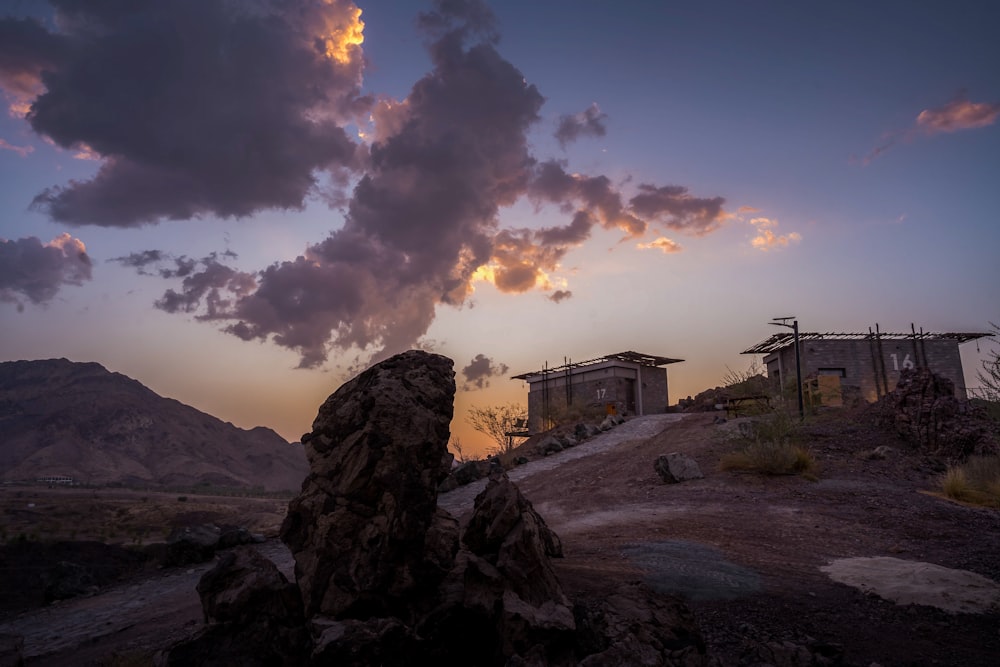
point(461, 499)
point(744, 550)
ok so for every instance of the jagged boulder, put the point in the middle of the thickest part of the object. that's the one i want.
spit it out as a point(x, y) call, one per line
point(376, 454)
point(253, 616)
point(507, 533)
point(676, 467)
point(924, 411)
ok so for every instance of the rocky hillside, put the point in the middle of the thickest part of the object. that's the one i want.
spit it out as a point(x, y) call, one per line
point(82, 421)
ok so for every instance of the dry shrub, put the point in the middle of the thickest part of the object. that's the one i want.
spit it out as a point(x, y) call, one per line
point(976, 481)
point(771, 458)
point(770, 448)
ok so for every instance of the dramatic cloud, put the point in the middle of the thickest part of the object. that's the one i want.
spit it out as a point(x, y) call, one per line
point(197, 107)
point(959, 114)
point(587, 123)
point(23, 151)
point(36, 270)
point(662, 243)
point(26, 50)
point(479, 371)
point(421, 224)
point(766, 239)
point(593, 194)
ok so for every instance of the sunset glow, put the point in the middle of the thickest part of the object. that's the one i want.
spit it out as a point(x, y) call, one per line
point(341, 39)
point(286, 194)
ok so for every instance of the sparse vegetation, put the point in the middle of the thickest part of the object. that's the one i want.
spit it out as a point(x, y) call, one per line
point(459, 450)
point(976, 481)
point(771, 447)
point(496, 421)
point(751, 382)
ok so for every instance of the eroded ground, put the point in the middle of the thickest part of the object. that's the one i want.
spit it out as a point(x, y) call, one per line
point(743, 549)
point(749, 548)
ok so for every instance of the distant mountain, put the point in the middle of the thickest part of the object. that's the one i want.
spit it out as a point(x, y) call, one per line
point(79, 420)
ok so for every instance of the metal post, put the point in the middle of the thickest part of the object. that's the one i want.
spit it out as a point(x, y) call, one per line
point(798, 370)
point(794, 326)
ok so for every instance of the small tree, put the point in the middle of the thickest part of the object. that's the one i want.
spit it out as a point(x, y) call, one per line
point(496, 421)
point(459, 449)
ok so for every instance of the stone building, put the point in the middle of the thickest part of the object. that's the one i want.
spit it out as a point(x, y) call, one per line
point(625, 383)
point(865, 365)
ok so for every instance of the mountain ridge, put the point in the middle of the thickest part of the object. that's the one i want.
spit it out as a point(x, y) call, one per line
point(80, 420)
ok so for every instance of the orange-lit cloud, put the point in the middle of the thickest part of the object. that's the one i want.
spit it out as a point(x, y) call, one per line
point(20, 87)
point(766, 239)
point(519, 263)
point(23, 151)
point(663, 244)
point(85, 152)
point(959, 114)
point(342, 33)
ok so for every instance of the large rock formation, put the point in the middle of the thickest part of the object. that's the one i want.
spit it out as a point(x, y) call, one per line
point(384, 576)
point(359, 528)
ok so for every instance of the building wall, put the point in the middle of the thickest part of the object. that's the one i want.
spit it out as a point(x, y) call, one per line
point(593, 389)
point(862, 361)
point(655, 396)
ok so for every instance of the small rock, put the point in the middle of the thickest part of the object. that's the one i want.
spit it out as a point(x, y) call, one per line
point(675, 467)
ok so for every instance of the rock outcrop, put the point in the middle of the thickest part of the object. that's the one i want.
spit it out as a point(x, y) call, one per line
point(377, 455)
point(384, 576)
point(924, 411)
point(253, 616)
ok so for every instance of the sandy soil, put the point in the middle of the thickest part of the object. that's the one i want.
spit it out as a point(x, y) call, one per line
point(745, 551)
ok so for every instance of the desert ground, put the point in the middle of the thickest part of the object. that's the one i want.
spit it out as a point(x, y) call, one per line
point(744, 550)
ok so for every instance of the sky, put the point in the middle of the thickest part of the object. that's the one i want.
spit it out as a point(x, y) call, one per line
point(242, 205)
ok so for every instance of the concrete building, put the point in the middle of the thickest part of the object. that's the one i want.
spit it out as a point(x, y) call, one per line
point(867, 365)
point(625, 383)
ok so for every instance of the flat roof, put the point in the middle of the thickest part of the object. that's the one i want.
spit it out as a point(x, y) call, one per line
point(782, 340)
point(629, 357)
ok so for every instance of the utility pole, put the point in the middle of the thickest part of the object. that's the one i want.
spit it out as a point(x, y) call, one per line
point(794, 326)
